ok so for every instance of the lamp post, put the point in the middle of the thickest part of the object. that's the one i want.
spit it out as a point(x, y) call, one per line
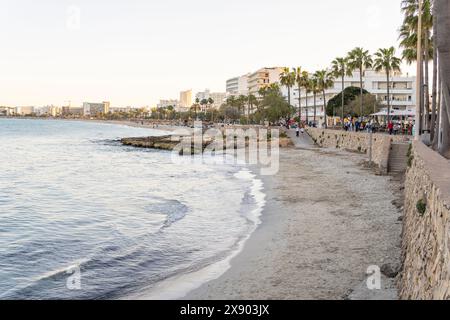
point(418, 124)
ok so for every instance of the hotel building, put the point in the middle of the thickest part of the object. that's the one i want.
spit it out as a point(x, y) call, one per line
point(237, 86)
point(168, 103)
point(24, 111)
point(71, 111)
point(95, 109)
point(402, 92)
point(263, 78)
point(185, 100)
point(7, 111)
point(218, 97)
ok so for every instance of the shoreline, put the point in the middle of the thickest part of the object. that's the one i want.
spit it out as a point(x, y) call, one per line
point(178, 286)
point(315, 241)
point(310, 245)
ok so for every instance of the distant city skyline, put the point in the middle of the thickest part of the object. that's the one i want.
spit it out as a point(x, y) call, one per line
point(134, 54)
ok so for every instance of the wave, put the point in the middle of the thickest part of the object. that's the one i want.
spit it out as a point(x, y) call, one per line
point(180, 285)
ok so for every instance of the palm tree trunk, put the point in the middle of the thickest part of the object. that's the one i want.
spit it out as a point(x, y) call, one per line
point(422, 98)
point(299, 104)
point(434, 92)
point(306, 105)
point(361, 90)
point(289, 95)
point(388, 96)
point(443, 46)
point(437, 132)
point(325, 109)
point(427, 80)
point(315, 107)
point(343, 98)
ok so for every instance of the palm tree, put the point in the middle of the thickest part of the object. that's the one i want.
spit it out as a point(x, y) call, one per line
point(315, 90)
point(442, 12)
point(385, 60)
point(287, 79)
point(409, 38)
point(360, 59)
point(301, 79)
point(252, 101)
point(308, 89)
point(325, 81)
point(341, 69)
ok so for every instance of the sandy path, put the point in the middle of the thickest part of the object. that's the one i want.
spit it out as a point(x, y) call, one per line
point(326, 221)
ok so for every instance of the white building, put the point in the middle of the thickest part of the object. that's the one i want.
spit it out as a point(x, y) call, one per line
point(168, 103)
point(7, 111)
point(262, 78)
point(218, 97)
point(95, 109)
point(237, 86)
point(402, 93)
point(49, 111)
point(24, 111)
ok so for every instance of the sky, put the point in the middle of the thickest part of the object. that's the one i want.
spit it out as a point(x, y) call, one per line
point(135, 52)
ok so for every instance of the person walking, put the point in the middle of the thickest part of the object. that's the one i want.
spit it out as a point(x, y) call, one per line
point(297, 131)
point(390, 128)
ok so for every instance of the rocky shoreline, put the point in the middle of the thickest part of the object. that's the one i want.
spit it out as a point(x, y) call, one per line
point(171, 142)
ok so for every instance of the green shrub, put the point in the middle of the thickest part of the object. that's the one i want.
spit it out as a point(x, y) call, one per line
point(421, 207)
point(410, 161)
point(409, 151)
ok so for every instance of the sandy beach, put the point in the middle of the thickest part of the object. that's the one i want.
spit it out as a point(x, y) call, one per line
point(327, 219)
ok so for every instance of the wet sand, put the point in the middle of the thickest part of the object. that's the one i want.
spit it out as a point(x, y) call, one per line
point(327, 219)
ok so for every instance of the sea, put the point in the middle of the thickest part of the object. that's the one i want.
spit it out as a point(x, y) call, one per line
point(84, 217)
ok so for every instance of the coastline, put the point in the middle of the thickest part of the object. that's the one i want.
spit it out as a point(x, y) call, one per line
point(316, 240)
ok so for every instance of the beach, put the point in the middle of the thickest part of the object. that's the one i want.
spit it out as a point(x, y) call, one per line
point(326, 221)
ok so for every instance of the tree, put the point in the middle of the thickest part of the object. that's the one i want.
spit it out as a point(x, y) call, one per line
point(385, 60)
point(241, 102)
point(348, 95)
point(287, 79)
point(314, 86)
point(371, 105)
point(196, 107)
point(229, 112)
point(340, 67)
point(252, 101)
point(301, 79)
point(204, 103)
point(308, 90)
point(409, 38)
point(325, 81)
point(442, 12)
point(360, 59)
point(275, 106)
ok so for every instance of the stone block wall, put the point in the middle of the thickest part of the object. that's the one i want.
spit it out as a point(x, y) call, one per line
point(426, 255)
point(357, 142)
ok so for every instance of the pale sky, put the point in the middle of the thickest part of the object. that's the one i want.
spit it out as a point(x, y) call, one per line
point(134, 52)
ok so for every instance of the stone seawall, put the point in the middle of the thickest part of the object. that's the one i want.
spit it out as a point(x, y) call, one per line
point(426, 255)
point(357, 142)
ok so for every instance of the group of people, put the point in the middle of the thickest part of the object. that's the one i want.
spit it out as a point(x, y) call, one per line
point(400, 127)
point(357, 125)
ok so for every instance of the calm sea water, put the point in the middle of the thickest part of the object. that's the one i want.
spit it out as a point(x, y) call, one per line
point(72, 198)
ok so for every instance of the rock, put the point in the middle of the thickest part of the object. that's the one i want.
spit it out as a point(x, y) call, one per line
point(390, 270)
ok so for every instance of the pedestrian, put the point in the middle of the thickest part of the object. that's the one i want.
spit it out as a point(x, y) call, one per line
point(297, 131)
point(390, 128)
